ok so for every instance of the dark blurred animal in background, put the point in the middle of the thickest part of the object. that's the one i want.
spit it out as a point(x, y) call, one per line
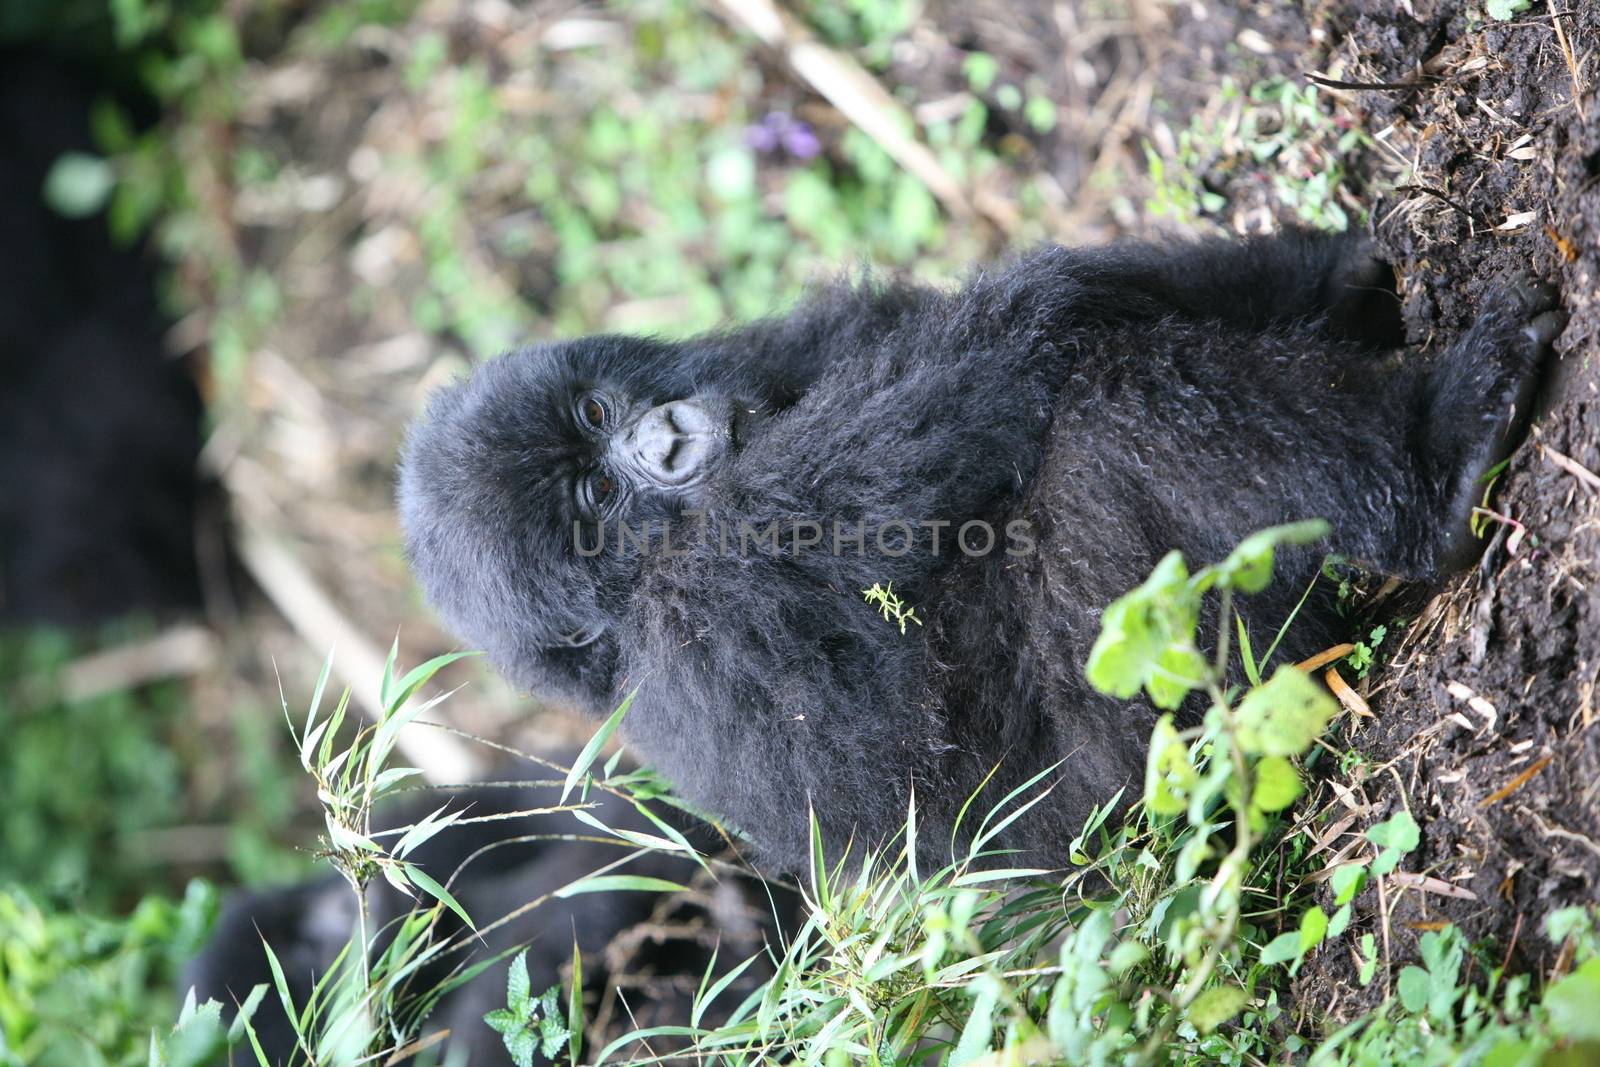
point(99, 429)
point(653, 947)
point(1091, 409)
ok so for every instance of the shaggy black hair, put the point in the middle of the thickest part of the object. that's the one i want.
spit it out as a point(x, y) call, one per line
point(1115, 402)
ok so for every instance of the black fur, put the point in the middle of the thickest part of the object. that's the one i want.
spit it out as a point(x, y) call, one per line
point(1120, 401)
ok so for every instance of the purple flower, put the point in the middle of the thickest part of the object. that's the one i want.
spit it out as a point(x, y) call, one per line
point(778, 131)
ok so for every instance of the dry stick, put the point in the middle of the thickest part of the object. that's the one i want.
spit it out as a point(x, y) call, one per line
point(182, 650)
point(359, 663)
point(1572, 467)
point(843, 83)
point(1572, 61)
point(1423, 82)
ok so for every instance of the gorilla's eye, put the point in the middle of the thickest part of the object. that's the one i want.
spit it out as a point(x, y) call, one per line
point(592, 410)
point(598, 490)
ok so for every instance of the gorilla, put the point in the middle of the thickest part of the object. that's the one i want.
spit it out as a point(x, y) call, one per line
point(695, 523)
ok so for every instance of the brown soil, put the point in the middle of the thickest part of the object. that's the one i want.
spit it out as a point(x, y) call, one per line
point(1485, 718)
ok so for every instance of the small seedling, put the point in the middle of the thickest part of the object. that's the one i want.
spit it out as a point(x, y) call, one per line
point(893, 608)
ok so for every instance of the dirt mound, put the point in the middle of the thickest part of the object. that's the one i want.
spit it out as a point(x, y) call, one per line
point(1486, 716)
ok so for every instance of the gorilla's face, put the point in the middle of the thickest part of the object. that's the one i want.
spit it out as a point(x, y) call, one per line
point(536, 454)
point(634, 449)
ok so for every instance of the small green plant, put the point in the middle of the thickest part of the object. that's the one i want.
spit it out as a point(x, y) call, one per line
point(1276, 122)
point(1504, 10)
point(352, 780)
point(529, 1024)
point(1364, 656)
point(77, 988)
point(894, 609)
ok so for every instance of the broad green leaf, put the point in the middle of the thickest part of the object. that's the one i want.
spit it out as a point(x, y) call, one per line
point(1143, 625)
point(1284, 717)
point(503, 1021)
point(1248, 567)
point(1347, 881)
point(1277, 784)
point(1505, 10)
point(1413, 987)
point(517, 987)
point(1313, 928)
point(1281, 949)
point(1216, 1006)
point(1572, 1003)
point(1177, 671)
point(1168, 776)
point(1400, 832)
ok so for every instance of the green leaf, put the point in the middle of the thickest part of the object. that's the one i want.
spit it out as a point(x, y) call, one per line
point(1168, 776)
point(522, 1045)
point(517, 986)
point(611, 883)
point(1284, 717)
point(1248, 567)
point(1413, 986)
point(1177, 671)
point(419, 676)
point(1125, 957)
point(1369, 960)
point(1572, 1001)
point(246, 1009)
point(575, 1004)
point(1216, 1006)
point(1347, 881)
point(731, 173)
point(591, 751)
point(78, 184)
point(503, 1021)
point(1386, 861)
point(979, 1029)
point(1313, 928)
point(1147, 632)
point(1277, 784)
point(1400, 832)
point(1040, 111)
point(438, 892)
point(1252, 670)
point(1503, 10)
point(981, 70)
point(1340, 921)
point(1281, 949)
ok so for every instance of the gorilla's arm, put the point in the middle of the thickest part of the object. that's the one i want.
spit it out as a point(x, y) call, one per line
point(1253, 284)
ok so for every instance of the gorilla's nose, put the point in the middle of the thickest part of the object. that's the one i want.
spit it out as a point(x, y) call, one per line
point(674, 444)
